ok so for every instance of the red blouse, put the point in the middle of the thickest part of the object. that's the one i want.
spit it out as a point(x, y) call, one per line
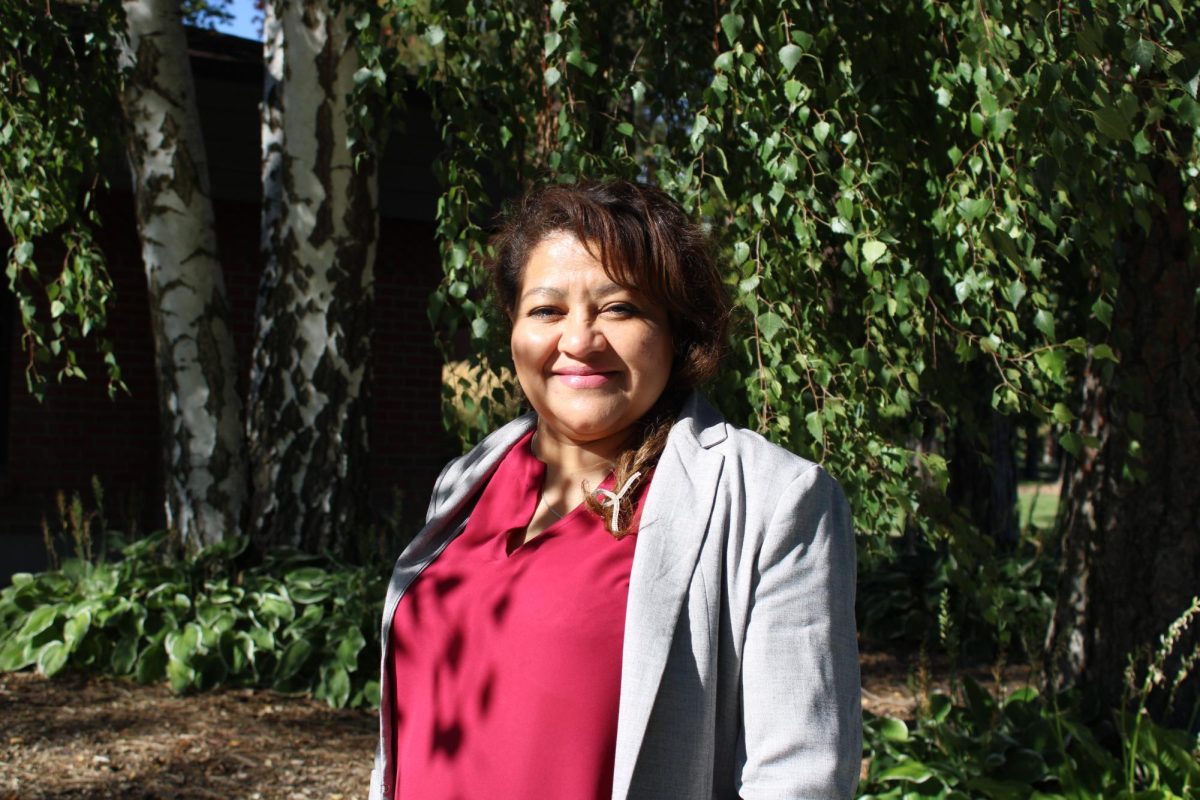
point(507, 667)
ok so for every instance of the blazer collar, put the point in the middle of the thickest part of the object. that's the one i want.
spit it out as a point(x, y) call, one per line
point(673, 527)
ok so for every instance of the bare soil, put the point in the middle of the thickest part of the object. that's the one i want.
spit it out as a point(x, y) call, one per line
point(77, 738)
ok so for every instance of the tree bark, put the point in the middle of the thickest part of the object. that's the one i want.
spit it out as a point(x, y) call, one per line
point(199, 406)
point(1131, 526)
point(311, 370)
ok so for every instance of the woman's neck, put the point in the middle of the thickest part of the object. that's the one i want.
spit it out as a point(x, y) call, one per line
point(567, 458)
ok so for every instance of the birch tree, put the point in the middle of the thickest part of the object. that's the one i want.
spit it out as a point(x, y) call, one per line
point(310, 375)
point(200, 411)
point(293, 470)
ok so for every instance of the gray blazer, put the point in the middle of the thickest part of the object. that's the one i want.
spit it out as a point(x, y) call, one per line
point(740, 662)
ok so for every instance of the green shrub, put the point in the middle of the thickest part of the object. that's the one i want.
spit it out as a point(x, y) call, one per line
point(1024, 747)
point(295, 622)
point(963, 598)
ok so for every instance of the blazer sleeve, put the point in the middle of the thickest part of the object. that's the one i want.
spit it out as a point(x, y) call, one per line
point(801, 733)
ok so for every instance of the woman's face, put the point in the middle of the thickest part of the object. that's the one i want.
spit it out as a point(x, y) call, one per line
point(591, 356)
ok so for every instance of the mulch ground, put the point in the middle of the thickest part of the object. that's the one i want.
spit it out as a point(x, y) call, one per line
point(77, 737)
point(95, 738)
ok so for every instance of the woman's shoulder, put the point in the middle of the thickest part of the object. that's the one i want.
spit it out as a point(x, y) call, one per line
point(463, 473)
point(747, 452)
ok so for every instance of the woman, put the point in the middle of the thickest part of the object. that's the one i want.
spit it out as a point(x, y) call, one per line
point(620, 594)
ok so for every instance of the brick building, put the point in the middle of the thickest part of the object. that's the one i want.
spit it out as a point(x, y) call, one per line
point(78, 431)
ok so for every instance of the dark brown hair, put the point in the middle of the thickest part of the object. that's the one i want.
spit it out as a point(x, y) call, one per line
point(646, 242)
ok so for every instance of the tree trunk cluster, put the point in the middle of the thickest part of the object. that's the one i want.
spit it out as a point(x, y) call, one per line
point(293, 470)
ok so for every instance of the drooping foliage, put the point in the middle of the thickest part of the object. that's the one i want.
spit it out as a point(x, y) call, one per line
point(56, 131)
point(918, 204)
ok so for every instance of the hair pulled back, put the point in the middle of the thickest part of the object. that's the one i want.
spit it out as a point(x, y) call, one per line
point(645, 242)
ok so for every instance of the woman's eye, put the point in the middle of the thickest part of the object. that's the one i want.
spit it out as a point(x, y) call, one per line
point(622, 309)
point(544, 311)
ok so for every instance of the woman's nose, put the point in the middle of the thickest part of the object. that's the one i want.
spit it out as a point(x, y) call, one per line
point(580, 336)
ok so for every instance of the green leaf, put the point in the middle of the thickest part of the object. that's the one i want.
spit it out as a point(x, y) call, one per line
point(1104, 352)
point(295, 656)
point(1043, 320)
point(349, 647)
point(550, 42)
point(52, 658)
point(308, 577)
point(1071, 442)
point(974, 208)
point(556, 11)
point(1142, 53)
point(908, 770)
point(741, 251)
point(23, 251)
point(124, 655)
point(792, 89)
point(821, 131)
point(337, 687)
point(1112, 123)
point(16, 654)
point(790, 55)
point(76, 628)
point(552, 76)
point(873, 250)
point(732, 24)
point(152, 662)
point(38, 621)
point(893, 730)
point(770, 324)
point(815, 425)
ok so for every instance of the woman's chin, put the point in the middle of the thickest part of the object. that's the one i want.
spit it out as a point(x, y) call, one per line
point(587, 425)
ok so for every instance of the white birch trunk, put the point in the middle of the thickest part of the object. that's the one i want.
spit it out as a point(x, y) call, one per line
point(310, 375)
point(199, 407)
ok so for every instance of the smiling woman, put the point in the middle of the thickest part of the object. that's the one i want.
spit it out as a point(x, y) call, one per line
point(620, 594)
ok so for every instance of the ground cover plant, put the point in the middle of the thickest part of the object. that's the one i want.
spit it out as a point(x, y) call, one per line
point(293, 622)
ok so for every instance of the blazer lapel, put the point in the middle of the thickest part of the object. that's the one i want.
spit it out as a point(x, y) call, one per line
point(673, 527)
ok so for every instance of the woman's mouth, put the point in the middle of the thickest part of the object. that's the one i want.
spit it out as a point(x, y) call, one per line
point(583, 379)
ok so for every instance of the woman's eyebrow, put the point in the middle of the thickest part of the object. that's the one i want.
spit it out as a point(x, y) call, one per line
point(559, 294)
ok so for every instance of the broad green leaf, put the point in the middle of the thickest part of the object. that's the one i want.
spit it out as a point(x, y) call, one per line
point(732, 24)
point(908, 770)
point(769, 324)
point(1043, 320)
point(873, 250)
point(792, 89)
point(790, 55)
point(124, 655)
point(1112, 123)
point(294, 657)
point(894, 730)
point(741, 251)
point(52, 658)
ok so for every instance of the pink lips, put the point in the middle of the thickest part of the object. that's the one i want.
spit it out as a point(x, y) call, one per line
point(582, 378)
